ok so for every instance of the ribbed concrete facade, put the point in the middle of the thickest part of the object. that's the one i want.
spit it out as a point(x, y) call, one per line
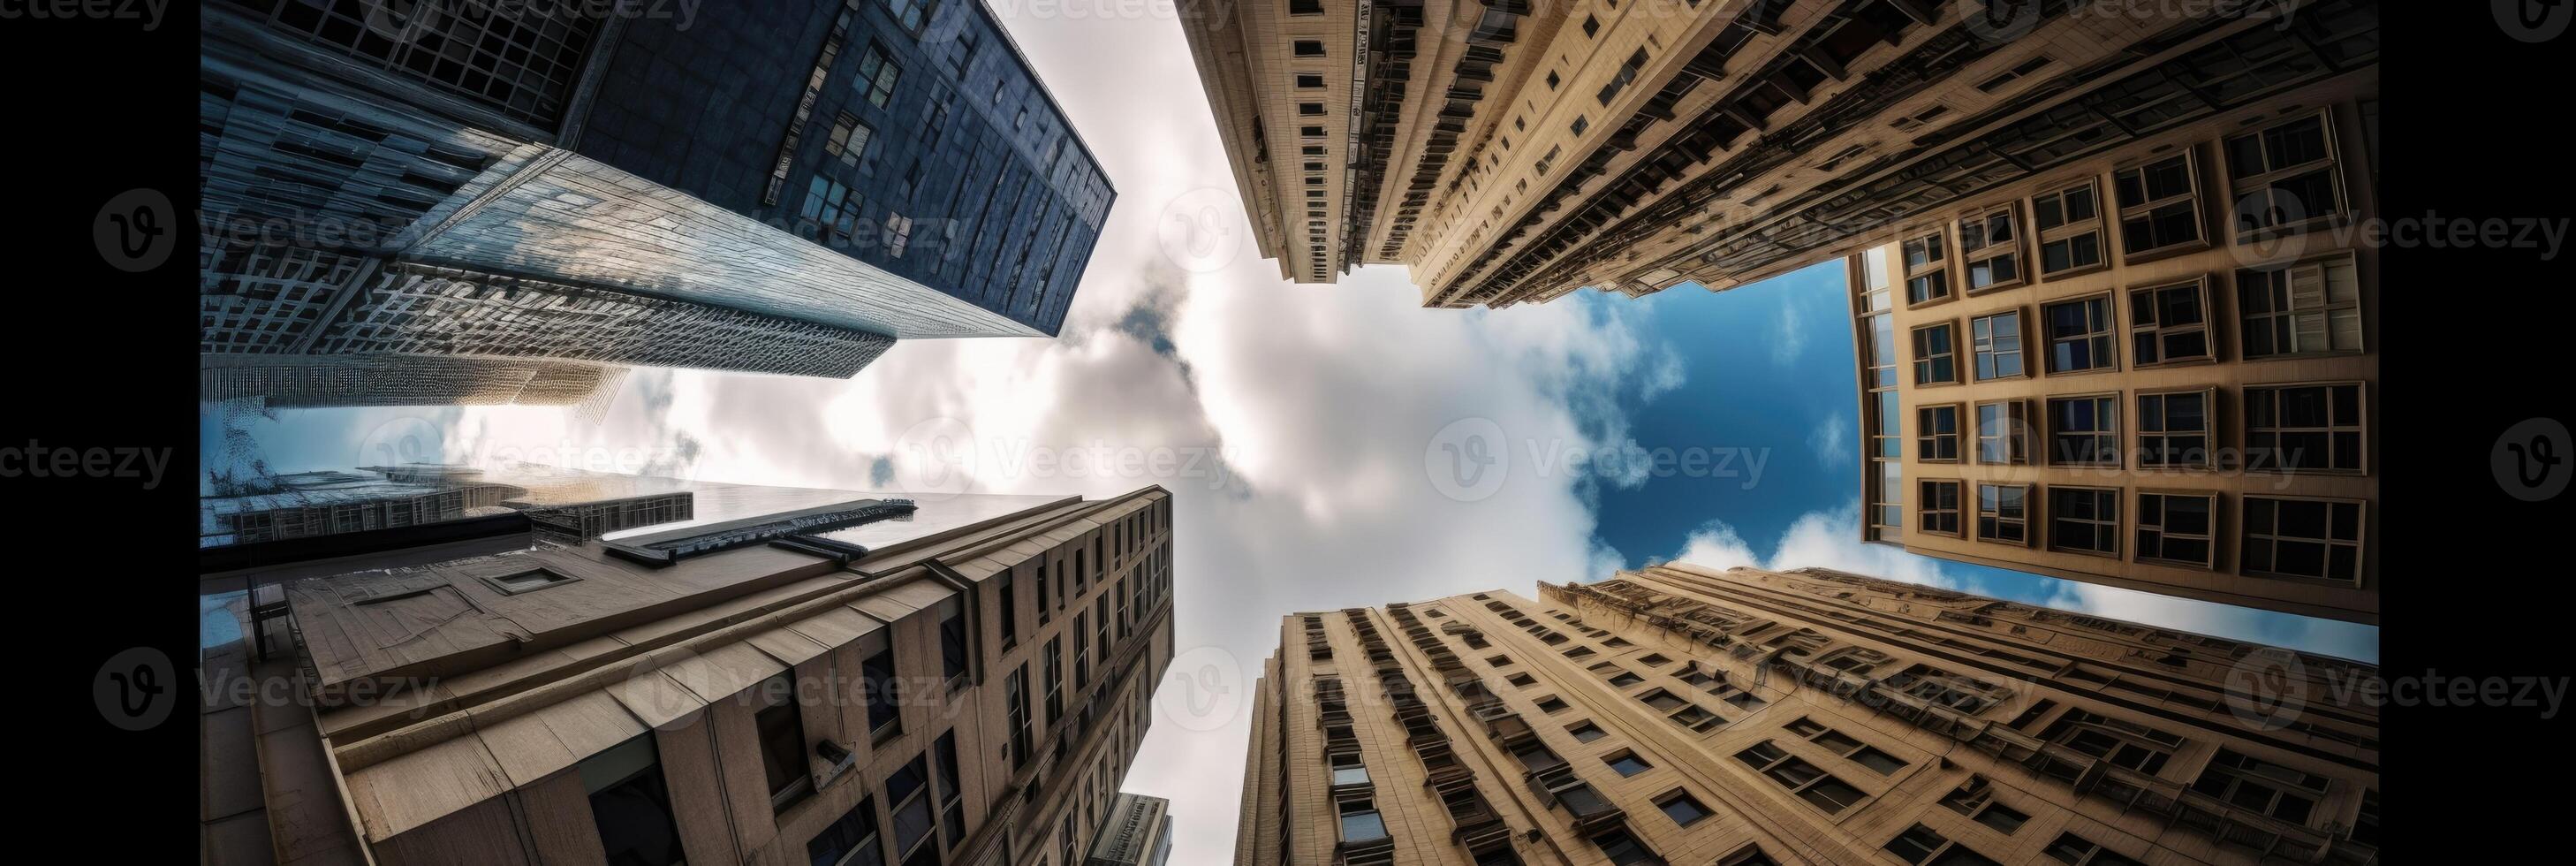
point(1690, 716)
point(1513, 152)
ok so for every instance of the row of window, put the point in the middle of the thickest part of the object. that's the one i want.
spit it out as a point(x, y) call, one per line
point(2299, 537)
point(2282, 177)
point(2310, 308)
point(2299, 427)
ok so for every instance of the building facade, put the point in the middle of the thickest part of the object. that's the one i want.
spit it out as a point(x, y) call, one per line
point(1513, 152)
point(783, 186)
point(1677, 714)
point(964, 685)
point(2154, 367)
point(1138, 832)
point(306, 381)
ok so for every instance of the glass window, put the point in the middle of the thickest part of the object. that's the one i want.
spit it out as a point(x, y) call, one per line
point(2079, 335)
point(2315, 538)
point(2084, 520)
point(631, 805)
point(1939, 502)
point(2084, 431)
point(1936, 354)
point(2303, 428)
point(2003, 513)
point(1927, 274)
point(2175, 527)
point(2169, 324)
point(876, 677)
point(2159, 205)
point(2310, 308)
point(1990, 243)
point(877, 76)
point(2284, 175)
point(2003, 433)
point(1996, 340)
point(2173, 429)
point(2070, 229)
point(1936, 433)
point(782, 742)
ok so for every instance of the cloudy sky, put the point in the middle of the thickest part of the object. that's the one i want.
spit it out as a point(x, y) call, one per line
point(1309, 434)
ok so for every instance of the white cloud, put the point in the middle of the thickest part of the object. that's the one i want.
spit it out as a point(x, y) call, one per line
point(1831, 442)
point(1789, 338)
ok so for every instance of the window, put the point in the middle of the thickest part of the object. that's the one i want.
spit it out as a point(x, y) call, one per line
point(2075, 850)
point(1348, 770)
point(2284, 175)
point(2174, 527)
point(2084, 520)
point(2084, 431)
point(1990, 243)
point(2070, 229)
point(2173, 429)
point(1996, 341)
point(1624, 849)
point(831, 207)
point(898, 230)
point(911, 13)
point(848, 140)
point(1965, 694)
point(1585, 732)
point(1680, 710)
point(1936, 354)
point(908, 794)
point(782, 742)
point(968, 39)
point(952, 643)
point(1936, 433)
point(2003, 433)
point(2079, 335)
point(1976, 799)
point(631, 805)
point(1817, 787)
point(527, 581)
point(1305, 7)
point(877, 76)
point(2017, 73)
point(1627, 763)
point(1591, 26)
point(1360, 821)
point(1842, 744)
point(1552, 81)
point(877, 679)
point(1580, 124)
point(2004, 819)
point(2303, 428)
point(2314, 538)
point(1684, 809)
point(1927, 274)
point(2123, 744)
point(1310, 82)
point(2310, 308)
point(1627, 72)
point(2159, 206)
point(1940, 507)
point(1015, 691)
point(1551, 705)
point(1310, 48)
point(2170, 324)
point(1921, 846)
point(2261, 786)
point(2003, 513)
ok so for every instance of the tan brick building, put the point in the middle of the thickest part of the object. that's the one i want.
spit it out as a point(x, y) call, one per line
point(1683, 715)
point(2110, 373)
point(1513, 152)
point(965, 684)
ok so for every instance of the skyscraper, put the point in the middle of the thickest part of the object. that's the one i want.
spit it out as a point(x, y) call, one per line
point(1137, 832)
point(954, 681)
point(1513, 152)
point(783, 186)
point(1677, 714)
point(2153, 366)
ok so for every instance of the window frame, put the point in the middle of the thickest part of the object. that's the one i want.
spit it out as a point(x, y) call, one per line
point(1988, 250)
point(2145, 210)
point(2246, 317)
point(2159, 330)
point(1925, 510)
point(1923, 361)
point(2137, 523)
point(2110, 528)
point(2113, 434)
point(2241, 188)
point(1935, 268)
point(2359, 428)
point(2023, 521)
point(2016, 443)
point(2208, 427)
point(2360, 542)
point(1927, 440)
point(1991, 339)
point(2108, 334)
point(2068, 230)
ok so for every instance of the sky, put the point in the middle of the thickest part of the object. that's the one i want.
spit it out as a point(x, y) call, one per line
point(1326, 446)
